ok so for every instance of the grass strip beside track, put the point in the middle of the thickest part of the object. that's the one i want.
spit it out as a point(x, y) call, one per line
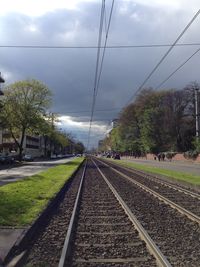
point(23, 201)
point(180, 176)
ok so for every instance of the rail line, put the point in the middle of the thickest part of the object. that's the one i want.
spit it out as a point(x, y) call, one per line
point(156, 192)
point(176, 235)
point(158, 180)
point(104, 228)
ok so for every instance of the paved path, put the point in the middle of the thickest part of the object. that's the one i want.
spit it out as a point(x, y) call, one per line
point(8, 236)
point(193, 168)
point(14, 174)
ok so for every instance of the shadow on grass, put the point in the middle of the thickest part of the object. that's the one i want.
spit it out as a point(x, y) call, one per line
point(22, 201)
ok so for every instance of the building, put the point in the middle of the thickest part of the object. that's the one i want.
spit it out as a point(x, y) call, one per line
point(32, 145)
point(115, 123)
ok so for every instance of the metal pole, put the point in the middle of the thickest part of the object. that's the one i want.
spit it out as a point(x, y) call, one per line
point(196, 112)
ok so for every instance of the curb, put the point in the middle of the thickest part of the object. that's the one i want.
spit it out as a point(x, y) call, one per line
point(21, 243)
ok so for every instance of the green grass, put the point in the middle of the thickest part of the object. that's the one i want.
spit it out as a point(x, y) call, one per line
point(23, 201)
point(181, 176)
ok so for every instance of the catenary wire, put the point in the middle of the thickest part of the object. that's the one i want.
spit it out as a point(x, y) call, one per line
point(95, 47)
point(96, 68)
point(104, 48)
point(164, 56)
point(97, 110)
point(158, 86)
point(102, 60)
point(100, 72)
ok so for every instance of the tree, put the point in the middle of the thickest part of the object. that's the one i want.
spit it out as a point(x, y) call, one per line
point(79, 148)
point(24, 109)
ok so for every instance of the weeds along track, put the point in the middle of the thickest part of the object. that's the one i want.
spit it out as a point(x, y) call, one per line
point(103, 234)
point(187, 199)
point(177, 236)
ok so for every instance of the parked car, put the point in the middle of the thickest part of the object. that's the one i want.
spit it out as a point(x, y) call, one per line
point(53, 156)
point(6, 159)
point(27, 157)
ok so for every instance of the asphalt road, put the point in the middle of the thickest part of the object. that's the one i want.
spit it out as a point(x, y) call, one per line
point(192, 168)
point(14, 174)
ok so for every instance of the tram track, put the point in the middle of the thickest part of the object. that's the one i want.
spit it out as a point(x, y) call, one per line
point(177, 236)
point(185, 201)
point(115, 223)
point(105, 235)
point(46, 246)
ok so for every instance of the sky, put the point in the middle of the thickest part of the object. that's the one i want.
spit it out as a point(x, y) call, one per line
point(70, 72)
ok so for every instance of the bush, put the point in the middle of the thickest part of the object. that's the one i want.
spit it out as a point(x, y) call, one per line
point(196, 144)
point(191, 154)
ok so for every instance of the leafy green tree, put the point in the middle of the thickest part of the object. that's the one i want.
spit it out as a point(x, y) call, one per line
point(24, 109)
point(157, 121)
point(79, 148)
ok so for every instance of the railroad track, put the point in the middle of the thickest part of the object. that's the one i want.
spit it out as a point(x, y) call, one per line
point(107, 226)
point(103, 231)
point(44, 248)
point(182, 199)
point(177, 236)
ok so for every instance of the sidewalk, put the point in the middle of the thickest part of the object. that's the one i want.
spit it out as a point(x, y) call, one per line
point(8, 237)
point(186, 167)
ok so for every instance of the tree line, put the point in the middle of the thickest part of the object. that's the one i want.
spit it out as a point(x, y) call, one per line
point(157, 121)
point(24, 109)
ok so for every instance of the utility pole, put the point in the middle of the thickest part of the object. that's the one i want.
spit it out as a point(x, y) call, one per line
point(196, 91)
point(1, 106)
point(1, 81)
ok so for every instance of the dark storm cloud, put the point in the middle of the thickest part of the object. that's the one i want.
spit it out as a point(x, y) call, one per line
point(69, 73)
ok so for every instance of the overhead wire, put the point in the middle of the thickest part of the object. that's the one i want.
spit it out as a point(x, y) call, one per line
point(96, 68)
point(97, 110)
point(95, 47)
point(100, 71)
point(164, 56)
point(104, 48)
point(177, 69)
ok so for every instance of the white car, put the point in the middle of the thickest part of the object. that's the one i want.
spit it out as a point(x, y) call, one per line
point(28, 157)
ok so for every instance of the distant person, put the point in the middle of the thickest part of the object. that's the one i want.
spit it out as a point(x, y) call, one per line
point(163, 156)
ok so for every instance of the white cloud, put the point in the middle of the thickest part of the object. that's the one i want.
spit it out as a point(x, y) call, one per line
point(37, 8)
point(135, 16)
point(9, 75)
point(67, 121)
point(31, 28)
point(168, 6)
point(81, 129)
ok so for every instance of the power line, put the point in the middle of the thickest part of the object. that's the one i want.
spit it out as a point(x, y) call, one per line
point(165, 55)
point(97, 79)
point(105, 46)
point(177, 69)
point(97, 110)
point(96, 69)
point(95, 47)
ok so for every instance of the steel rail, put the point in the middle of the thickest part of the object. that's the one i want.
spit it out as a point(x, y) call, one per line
point(66, 247)
point(155, 178)
point(182, 210)
point(167, 184)
point(153, 248)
